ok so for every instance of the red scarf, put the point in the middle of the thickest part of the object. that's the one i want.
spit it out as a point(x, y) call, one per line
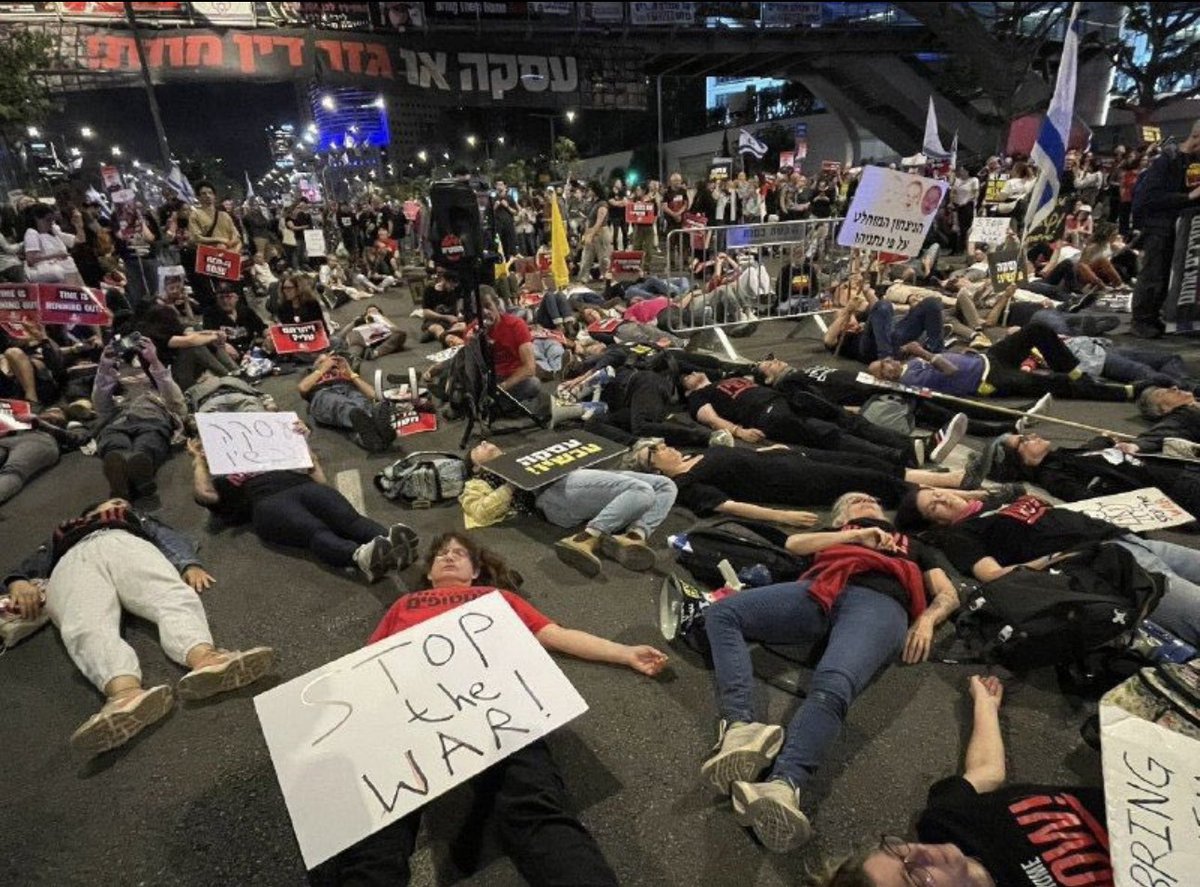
point(834, 567)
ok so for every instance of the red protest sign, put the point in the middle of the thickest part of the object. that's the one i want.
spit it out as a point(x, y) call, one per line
point(831, 166)
point(69, 304)
point(696, 220)
point(18, 303)
point(212, 261)
point(627, 265)
point(293, 338)
point(15, 415)
point(641, 213)
point(415, 422)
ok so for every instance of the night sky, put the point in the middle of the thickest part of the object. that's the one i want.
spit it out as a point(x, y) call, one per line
point(225, 120)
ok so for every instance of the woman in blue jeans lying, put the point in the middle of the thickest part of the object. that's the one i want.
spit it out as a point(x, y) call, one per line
point(876, 594)
point(620, 510)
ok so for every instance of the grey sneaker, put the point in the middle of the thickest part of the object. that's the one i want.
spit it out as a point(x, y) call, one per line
point(720, 438)
point(403, 541)
point(374, 558)
point(236, 669)
point(742, 752)
point(772, 809)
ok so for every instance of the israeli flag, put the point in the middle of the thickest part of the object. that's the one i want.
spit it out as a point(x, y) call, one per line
point(249, 187)
point(177, 180)
point(748, 144)
point(1050, 152)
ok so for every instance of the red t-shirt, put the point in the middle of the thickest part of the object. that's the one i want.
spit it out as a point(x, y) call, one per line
point(507, 335)
point(647, 310)
point(413, 609)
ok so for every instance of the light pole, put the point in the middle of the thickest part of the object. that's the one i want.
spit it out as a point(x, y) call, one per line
point(553, 118)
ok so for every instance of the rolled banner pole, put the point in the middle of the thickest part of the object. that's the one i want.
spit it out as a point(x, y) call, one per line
point(868, 379)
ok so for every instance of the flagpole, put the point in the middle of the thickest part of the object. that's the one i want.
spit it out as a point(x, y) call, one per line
point(163, 147)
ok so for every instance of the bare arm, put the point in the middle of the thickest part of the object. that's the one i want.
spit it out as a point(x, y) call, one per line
point(643, 659)
point(527, 370)
point(762, 512)
point(920, 634)
point(203, 490)
point(984, 766)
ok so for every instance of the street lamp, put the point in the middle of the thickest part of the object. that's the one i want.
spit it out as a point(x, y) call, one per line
point(470, 140)
point(378, 103)
point(86, 131)
point(445, 155)
point(423, 156)
point(570, 117)
point(116, 150)
point(33, 132)
point(500, 139)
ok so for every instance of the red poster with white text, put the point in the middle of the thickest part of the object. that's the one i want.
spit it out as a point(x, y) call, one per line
point(299, 338)
point(15, 415)
point(415, 422)
point(69, 304)
point(627, 265)
point(212, 261)
point(18, 303)
point(641, 213)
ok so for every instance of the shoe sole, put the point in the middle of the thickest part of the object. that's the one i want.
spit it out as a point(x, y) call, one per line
point(117, 475)
point(246, 669)
point(780, 827)
point(573, 557)
point(957, 431)
point(364, 426)
point(140, 471)
point(118, 727)
point(631, 557)
point(405, 540)
point(744, 763)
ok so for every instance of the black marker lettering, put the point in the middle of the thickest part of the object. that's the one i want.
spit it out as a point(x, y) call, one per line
point(449, 750)
point(493, 718)
point(419, 778)
point(468, 632)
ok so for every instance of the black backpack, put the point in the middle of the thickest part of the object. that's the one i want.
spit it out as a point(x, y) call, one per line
point(744, 544)
point(1032, 618)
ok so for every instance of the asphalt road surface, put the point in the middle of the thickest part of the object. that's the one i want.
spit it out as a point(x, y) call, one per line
point(194, 800)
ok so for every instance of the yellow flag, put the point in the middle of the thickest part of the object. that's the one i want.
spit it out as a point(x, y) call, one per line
point(558, 245)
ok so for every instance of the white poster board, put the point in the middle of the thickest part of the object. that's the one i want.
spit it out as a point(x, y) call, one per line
point(992, 230)
point(244, 443)
point(367, 739)
point(1152, 798)
point(891, 211)
point(1137, 511)
point(314, 242)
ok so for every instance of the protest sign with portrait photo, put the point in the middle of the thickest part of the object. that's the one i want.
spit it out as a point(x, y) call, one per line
point(369, 738)
point(891, 211)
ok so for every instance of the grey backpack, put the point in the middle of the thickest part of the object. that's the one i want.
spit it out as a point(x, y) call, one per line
point(423, 479)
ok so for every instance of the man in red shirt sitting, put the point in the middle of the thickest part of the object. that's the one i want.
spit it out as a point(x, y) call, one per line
point(543, 837)
point(512, 350)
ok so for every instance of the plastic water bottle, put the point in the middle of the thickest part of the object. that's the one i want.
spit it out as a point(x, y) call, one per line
point(1160, 645)
point(680, 542)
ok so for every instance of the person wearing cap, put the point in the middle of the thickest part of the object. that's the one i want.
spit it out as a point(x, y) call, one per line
point(988, 543)
point(1102, 467)
point(1168, 186)
point(876, 594)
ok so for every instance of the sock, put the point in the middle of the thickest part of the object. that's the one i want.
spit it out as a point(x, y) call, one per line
point(1075, 374)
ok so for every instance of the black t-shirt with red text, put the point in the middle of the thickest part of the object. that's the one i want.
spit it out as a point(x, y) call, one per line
point(1019, 532)
point(1025, 836)
point(736, 400)
point(676, 200)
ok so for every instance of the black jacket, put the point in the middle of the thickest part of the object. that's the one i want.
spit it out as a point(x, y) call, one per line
point(1182, 422)
point(1161, 193)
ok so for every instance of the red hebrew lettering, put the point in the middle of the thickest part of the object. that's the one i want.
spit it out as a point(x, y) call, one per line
point(379, 63)
point(109, 52)
point(295, 49)
point(251, 46)
point(205, 51)
point(245, 48)
point(354, 51)
point(333, 49)
point(164, 52)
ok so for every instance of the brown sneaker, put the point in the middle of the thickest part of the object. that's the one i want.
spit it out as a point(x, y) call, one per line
point(629, 550)
point(120, 720)
point(236, 669)
point(579, 551)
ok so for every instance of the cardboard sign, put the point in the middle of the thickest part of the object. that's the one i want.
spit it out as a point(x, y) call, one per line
point(124, 195)
point(314, 242)
point(68, 304)
point(627, 264)
point(415, 422)
point(212, 261)
point(19, 302)
point(1150, 759)
point(1006, 268)
point(994, 189)
point(293, 338)
point(891, 211)
point(246, 443)
point(375, 332)
point(641, 213)
point(537, 464)
point(367, 739)
point(992, 230)
point(15, 415)
point(443, 355)
point(1183, 291)
point(1151, 134)
point(767, 234)
point(1137, 511)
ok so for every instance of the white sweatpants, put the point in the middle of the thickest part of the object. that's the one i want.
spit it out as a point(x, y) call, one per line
point(108, 570)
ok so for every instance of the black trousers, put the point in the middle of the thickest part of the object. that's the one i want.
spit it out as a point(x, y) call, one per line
point(154, 441)
point(640, 403)
point(785, 426)
point(1005, 358)
point(528, 801)
point(316, 517)
point(1151, 290)
point(830, 474)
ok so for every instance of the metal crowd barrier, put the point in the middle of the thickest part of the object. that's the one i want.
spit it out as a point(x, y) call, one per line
point(736, 270)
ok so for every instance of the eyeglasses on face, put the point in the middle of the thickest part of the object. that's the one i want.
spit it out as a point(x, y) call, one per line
point(916, 875)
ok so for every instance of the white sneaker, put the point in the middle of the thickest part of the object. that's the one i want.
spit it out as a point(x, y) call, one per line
point(945, 440)
point(1029, 420)
point(741, 752)
point(374, 558)
point(1177, 447)
point(236, 669)
point(772, 809)
point(118, 722)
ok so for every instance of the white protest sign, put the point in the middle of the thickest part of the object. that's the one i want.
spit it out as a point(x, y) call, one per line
point(374, 332)
point(244, 443)
point(989, 229)
point(891, 211)
point(314, 242)
point(443, 355)
point(1152, 798)
point(371, 737)
point(1137, 511)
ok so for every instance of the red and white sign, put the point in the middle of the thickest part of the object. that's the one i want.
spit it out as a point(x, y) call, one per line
point(18, 303)
point(299, 338)
point(15, 415)
point(696, 220)
point(212, 261)
point(627, 265)
point(412, 210)
point(14, 330)
point(415, 422)
point(641, 213)
point(69, 304)
point(452, 248)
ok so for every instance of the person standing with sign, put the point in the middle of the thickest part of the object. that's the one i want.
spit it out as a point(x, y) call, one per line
point(1169, 185)
point(112, 558)
point(525, 791)
point(212, 225)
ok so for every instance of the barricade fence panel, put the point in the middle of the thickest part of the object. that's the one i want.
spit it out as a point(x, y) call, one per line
point(743, 274)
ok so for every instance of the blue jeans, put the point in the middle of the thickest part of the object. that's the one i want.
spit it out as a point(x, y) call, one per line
point(609, 501)
point(659, 286)
point(332, 405)
point(866, 631)
point(1179, 609)
point(884, 334)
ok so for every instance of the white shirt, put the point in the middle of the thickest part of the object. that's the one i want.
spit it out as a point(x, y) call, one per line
point(964, 191)
point(54, 244)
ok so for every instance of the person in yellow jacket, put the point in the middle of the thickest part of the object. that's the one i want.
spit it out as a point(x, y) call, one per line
point(619, 510)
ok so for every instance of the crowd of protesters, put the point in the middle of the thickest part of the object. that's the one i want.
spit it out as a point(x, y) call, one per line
point(706, 432)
